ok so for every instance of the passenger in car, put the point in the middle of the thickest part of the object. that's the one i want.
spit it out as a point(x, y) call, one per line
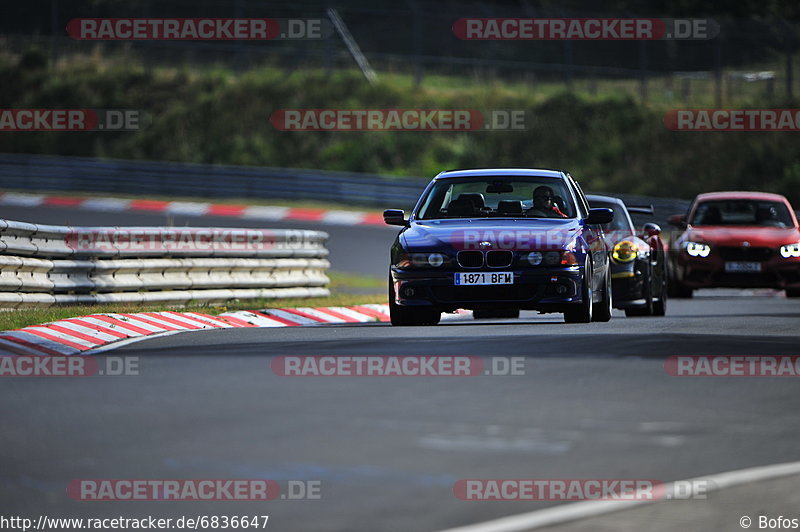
point(544, 204)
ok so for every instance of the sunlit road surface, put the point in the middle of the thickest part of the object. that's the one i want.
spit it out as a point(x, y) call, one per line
point(595, 402)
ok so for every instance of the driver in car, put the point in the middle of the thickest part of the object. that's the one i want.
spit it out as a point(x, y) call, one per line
point(544, 204)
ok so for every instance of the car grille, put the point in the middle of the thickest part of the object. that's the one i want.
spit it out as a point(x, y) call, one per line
point(470, 259)
point(499, 259)
point(745, 253)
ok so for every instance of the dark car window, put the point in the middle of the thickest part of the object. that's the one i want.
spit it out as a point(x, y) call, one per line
point(621, 222)
point(742, 212)
point(496, 196)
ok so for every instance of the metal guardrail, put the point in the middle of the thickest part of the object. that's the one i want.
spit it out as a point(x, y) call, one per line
point(149, 178)
point(45, 265)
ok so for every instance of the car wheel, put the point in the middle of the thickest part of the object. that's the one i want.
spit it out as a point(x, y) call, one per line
point(409, 316)
point(602, 310)
point(647, 295)
point(501, 313)
point(793, 292)
point(582, 313)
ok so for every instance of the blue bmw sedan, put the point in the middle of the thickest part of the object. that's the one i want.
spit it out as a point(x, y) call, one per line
point(497, 241)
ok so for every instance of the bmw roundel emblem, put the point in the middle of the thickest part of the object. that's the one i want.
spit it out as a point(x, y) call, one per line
point(484, 244)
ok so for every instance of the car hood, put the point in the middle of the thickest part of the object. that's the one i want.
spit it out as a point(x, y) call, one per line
point(736, 236)
point(513, 234)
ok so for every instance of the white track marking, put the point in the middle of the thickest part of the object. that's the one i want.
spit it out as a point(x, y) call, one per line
point(343, 218)
point(265, 213)
point(586, 509)
point(188, 208)
point(106, 204)
point(21, 200)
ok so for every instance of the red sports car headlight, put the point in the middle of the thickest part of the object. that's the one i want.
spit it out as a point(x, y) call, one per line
point(790, 250)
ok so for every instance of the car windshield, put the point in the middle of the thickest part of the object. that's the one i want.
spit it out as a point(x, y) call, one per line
point(621, 223)
point(498, 196)
point(742, 212)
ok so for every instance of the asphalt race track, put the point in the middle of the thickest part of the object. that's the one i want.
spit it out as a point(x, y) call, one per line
point(595, 402)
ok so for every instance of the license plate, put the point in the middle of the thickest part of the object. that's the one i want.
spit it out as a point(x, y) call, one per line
point(748, 267)
point(481, 278)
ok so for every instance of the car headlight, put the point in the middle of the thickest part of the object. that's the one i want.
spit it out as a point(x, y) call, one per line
point(697, 249)
point(421, 260)
point(535, 258)
point(435, 259)
point(551, 258)
point(625, 251)
point(790, 250)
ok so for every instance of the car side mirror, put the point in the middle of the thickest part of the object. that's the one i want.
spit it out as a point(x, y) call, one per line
point(678, 220)
point(599, 216)
point(395, 217)
point(651, 229)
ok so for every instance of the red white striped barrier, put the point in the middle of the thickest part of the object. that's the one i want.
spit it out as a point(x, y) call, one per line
point(244, 212)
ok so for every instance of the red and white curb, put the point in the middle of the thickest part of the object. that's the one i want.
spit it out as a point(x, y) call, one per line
point(86, 335)
point(244, 212)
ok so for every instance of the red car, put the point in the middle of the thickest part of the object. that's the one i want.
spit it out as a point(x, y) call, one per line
point(736, 240)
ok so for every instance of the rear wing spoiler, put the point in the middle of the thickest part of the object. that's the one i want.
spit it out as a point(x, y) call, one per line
point(641, 209)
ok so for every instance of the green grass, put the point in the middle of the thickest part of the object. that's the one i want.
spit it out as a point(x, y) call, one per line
point(344, 281)
point(600, 130)
point(663, 91)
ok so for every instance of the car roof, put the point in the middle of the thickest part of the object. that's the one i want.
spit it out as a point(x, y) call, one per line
point(734, 194)
point(604, 199)
point(480, 172)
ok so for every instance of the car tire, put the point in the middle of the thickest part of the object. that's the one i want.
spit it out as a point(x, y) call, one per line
point(601, 311)
point(582, 313)
point(647, 295)
point(490, 314)
point(793, 292)
point(410, 316)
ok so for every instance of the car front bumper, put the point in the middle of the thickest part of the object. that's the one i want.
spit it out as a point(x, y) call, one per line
point(709, 272)
point(545, 290)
